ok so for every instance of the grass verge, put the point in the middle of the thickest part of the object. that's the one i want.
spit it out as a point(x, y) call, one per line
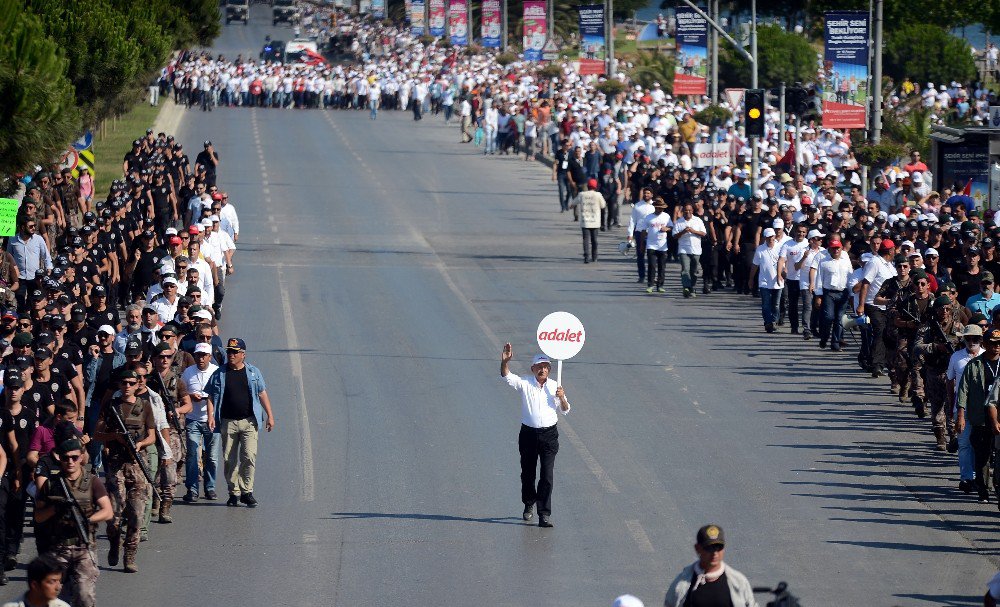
point(110, 149)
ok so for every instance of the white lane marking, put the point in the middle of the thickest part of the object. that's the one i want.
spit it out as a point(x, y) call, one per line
point(308, 492)
point(639, 535)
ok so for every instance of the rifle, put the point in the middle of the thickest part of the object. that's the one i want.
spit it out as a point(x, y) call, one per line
point(942, 335)
point(75, 510)
point(133, 450)
point(168, 404)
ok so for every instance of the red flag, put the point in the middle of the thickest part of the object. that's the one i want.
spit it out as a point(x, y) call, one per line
point(788, 159)
point(968, 188)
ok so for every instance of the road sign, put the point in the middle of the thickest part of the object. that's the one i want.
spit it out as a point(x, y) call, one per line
point(734, 97)
point(550, 52)
point(995, 116)
point(85, 141)
point(561, 337)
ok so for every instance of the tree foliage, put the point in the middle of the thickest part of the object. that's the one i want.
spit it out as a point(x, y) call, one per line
point(927, 53)
point(37, 110)
point(653, 66)
point(783, 56)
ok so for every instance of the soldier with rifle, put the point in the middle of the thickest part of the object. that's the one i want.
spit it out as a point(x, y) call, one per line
point(165, 380)
point(933, 347)
point(70, 503)
point(126, 427)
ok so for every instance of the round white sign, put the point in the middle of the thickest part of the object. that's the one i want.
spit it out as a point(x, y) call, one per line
point(561, 335)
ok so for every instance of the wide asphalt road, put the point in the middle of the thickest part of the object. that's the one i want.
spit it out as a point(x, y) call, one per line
point(381, 267)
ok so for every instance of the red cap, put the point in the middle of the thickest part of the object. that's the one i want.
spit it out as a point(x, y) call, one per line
point(834, 244)
point(592, 184)
point(887, 245)
point(175, 240)
point(193, 230)
point(217, 196)
point(806, 200)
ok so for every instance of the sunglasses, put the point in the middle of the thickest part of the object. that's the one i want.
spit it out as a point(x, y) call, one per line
point(165, 356)
point(129, 382)
point(72, 458)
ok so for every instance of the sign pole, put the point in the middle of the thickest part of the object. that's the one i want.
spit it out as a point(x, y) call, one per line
point(558, 373)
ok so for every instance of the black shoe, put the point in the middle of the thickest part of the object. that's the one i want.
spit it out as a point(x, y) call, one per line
point(806, 335)
point(965, 487)
point(3, 578)
point(234, 500)
point(211, 495)
point(795, 330)
point(249, 500)
point(543, 521)
point(529, 512)
point(822, 344)
point(984, 498)
point(190, 497)
point(835, 348)
point(769, 327)
point(585, 260)
point(10, 564)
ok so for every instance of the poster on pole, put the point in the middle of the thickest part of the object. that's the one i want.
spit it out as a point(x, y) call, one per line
point(378, 9)
point(437, 19)
point(593, 46)
point(408, 4)
point(845, 70)
point(458, 22)
point(491, 24)
point(561, 337)
point(417, 25)
point(966, 166)
point(691, 71)
point(534, 29)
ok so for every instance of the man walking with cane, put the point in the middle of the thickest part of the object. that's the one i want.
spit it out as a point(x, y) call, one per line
point(538, 440)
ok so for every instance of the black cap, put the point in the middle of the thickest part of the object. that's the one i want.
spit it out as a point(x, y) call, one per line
point(44, 338)
point(12, 379)
point(710, 535)
point(21, 362)
point(42, 353)
point(21, 339)
point(132, 348)
point(58, 322)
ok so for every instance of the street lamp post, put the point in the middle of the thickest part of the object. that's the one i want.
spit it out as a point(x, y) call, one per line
point(610, 32)
point(754, 152)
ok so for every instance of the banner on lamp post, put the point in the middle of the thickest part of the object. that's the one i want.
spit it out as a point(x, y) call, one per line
point(438, 17)
point(593, 44)
point(845, 70)
point(417, 24)
point(691, 71)
point(535, 27)
point(458, 22)
point(491, 24)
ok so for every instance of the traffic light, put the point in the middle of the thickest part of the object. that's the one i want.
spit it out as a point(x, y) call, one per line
point(798, 100)
point(754, 116)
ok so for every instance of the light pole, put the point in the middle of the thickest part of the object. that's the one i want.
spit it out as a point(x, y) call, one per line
point(754, 152)
point(610, 33)
point(503, 23)
point(877, 77)
point(714, 44)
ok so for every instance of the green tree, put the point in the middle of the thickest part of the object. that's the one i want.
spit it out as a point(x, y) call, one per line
point(912, 129)
point(899, 14)
point(203, 18)
point(783, 57)
point(38, 114)
point(927, 53)
point(652, 66)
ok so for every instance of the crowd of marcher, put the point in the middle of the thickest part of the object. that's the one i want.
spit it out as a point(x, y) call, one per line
point(114, 373)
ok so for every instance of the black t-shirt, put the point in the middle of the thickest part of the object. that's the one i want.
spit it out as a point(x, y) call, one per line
point(205, 160)
point(710, 594)
point(107, 316)
point(161, 197)
point(967, 283)
point(748, 225)
point(236, 400)
point(43, 395)
point(23, 424)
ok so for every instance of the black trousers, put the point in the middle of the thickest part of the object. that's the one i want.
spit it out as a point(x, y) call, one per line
point(534, 445)
point(639, 236)
point(589, 243)
point(656, 262)
point(981, 439)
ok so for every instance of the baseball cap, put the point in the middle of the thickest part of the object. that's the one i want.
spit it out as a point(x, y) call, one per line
point(203, 348)
point(42, 353)
point(992, 336)
point(778, 223)
point(887, 245)
point(834, 244)
point(12, 314)
point(814, 233)
point(13, 379)
point(106, 329)
point(931, 252)
point(132, 348)
point(592, 184)
point(237, 344)
point(540, 359)
point(768, 232)
point(710, 535)
point(203, 314)
point(627, 600)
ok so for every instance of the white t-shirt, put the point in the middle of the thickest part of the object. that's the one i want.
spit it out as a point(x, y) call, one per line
point(877, 271)
point(832, 274)
point(195, 380)
point(689, 244)
point(766, 260)
point(791, 252)
point(956, 365)
point(656, 239)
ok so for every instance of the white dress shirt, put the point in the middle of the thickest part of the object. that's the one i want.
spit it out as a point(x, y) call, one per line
point(832, 274)
point(877, 271)
point(195, 380)
point(689, 244)
point(538, 403)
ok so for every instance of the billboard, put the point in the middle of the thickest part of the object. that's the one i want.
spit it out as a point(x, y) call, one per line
point(458, 22)
point(437, 18)
point(966, 165)
point(417, 25)
point(491, 24)
point(691, 71)
point(377, 9)
point(534, 29)
point(593, 46)
point(845, 70)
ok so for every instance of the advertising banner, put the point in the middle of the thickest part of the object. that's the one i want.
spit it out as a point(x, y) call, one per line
point(967, 167)
point(378, 9)
point(534, 29)
point(491, 24)
point(458, 22)
point(593, 46)
point(417, 25)
point(691, 71)
point(845, 70)
point(438, 17)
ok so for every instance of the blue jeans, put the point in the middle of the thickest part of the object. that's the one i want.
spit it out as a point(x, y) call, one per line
point(831, 326)
point(810, 321)
point(490, 138)
point(565, 192)
point(769, 300)
point(966, 457)
point(689, 267)
point(198, 435)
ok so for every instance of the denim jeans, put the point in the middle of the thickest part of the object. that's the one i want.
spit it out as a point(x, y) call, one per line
point(565, 192)
point(490, 139)
point(198, 435)
point(810, 321)
point(769, 300)
point(966, 458)
point(831, 326)
point(689, 268)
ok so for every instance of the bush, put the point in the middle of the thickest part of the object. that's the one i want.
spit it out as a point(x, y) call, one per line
point(713, 115)
point(506, 58)
point(927, 53)
point(782, 56)
point(427, 40)
point(549, 71)
point(879, 156)
point(611, 87)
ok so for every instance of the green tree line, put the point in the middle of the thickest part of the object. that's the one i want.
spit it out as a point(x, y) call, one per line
point(65, 66)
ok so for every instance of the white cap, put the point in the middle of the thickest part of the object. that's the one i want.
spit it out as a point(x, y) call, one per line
point(203, 349)
point(816, 234)
point(171, 232)
point(931, 251)
point(206, 222)
point(106, 329)
point(768, 232)
point(917, 177)
point(203, 314)
point(169, 280)
point(540, 358)
point(778, 223)
point(906, 243)
point(214, 219)
point(627, 600)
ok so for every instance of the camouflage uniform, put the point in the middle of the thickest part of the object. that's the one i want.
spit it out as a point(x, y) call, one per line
point(173, 390)
point(935, 365)
point(919, 309)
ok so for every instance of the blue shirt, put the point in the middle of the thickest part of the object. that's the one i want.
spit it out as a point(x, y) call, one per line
point(217, 387)
point(978, 303)
point(30, 256)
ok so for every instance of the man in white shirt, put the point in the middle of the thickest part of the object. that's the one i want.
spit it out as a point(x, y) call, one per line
point(770, 283)
point(200, 423)
point(972, 335)
point(230, 221)
point(538, 441)
point(689, 231)
point(792, 251)
point(641, 210)
point(658, 227)
point(877, 271)
point(829, 284)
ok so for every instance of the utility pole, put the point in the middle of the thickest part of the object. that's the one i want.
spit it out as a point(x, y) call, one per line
point(714, 44)
point(549, 19)
point(610, 34)
point(877, 76)
point(781, 120)
point(754, 152)
point(503, 23)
